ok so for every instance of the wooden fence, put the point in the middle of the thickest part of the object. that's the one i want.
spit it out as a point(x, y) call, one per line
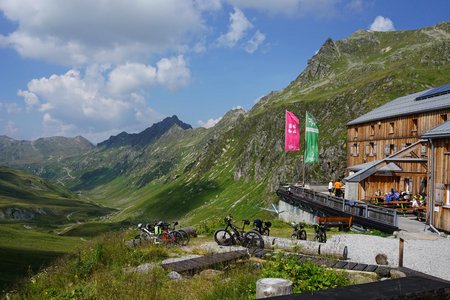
point(364, 214)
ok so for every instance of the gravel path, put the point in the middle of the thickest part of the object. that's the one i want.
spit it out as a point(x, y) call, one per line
point(427, 253)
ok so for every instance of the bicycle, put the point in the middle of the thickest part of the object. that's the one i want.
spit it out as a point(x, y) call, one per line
point(320, 233)
point(250, 239)
point(148, 233)
point(168, 236)
point(262, 227)
point(161, 233)
point(183, 237)
point(299, 233)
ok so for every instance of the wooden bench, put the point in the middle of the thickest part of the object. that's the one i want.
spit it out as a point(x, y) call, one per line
point(344, 223)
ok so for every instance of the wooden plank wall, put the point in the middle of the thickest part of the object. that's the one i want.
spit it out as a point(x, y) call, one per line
point(442, 181)
point(405, 130)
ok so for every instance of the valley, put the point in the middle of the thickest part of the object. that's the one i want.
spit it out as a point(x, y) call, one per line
point(56, 193)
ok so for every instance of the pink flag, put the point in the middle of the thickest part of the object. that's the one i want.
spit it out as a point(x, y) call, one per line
point(292, 133)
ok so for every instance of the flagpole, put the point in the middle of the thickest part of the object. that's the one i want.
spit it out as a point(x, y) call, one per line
point(304, 134)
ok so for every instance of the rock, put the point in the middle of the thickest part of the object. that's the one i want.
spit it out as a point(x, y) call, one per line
point(381, 259)
point(210, 273)
point(175, 275)
point(395, 274)
point(359, 277)
point(143, 268)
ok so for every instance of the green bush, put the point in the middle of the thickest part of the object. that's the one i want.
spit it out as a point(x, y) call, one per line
point(305, 276)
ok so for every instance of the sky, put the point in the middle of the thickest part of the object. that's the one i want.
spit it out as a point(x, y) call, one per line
point(97, 68)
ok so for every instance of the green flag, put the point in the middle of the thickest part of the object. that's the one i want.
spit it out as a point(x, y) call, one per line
point(311, 139)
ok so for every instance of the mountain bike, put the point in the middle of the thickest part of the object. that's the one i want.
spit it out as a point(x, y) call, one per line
point(320, 233)
point(299, 231)
point(148, 233)
point(262, 227)
point(231, 235)
point(184, 238)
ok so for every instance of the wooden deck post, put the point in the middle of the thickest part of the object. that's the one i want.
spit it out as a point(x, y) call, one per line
point(400, 254)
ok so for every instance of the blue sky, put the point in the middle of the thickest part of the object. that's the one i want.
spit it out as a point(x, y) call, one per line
point(97, 68)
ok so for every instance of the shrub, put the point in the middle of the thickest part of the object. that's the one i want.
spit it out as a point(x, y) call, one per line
point(305, 276)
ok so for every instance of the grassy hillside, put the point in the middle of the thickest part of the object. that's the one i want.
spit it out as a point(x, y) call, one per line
point(33, 213)
point(25, 197)
point(236, 165)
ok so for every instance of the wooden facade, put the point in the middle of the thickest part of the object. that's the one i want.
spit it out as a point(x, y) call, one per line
point(439, 189)
point(377, 140)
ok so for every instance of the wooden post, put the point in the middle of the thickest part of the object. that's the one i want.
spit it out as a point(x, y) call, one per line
point(400, 254)
point(269, 287)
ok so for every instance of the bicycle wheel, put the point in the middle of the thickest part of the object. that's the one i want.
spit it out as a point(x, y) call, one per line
point(185, 237)
point(253, 240)
point(322, 236)
point(166, 239)
point(223, 237)
point(302, 235)
point(294, 236)
point(178, 237)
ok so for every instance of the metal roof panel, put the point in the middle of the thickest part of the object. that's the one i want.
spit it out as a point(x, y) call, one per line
point(406, 105)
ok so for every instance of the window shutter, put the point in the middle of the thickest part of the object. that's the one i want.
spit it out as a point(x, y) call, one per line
point(374, 148)
point(386, 149)
point(395, 148)
point(367, 149)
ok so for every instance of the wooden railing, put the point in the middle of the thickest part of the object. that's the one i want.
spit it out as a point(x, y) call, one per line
point(357, 209)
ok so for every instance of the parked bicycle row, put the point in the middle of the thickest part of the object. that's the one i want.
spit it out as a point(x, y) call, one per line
point(233, 235)
point(160, 232)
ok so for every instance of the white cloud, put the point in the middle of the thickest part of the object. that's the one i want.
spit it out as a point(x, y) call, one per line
point(254, 43)
point(208, 4)
point(279, 6)
point(382, 24)
point(73, 104)
point(131, 76)
point(31, 100)
point(10, 129)
point(10, 108)
point(173, 72)
point(237, 29)
point(210, 123)
point(317, 8)
point(83, 32)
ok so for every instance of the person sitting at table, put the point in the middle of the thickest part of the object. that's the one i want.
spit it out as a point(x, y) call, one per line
point(396, 196)
point(404, 196)
point(388, 197)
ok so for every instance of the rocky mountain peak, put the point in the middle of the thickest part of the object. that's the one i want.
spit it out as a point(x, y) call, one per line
point(319, 66)
point(145, 137)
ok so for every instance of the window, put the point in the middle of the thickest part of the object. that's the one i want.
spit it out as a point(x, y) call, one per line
point(423, 150)
point(355, 149)
point(355, 133)
point(444, 117)
point(372, 129)
point(391, 127)
point(372, 149)
point(414, 126)
point(392, 149)
point(447, 195)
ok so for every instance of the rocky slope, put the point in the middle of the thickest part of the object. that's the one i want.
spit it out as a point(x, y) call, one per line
point(173, 169)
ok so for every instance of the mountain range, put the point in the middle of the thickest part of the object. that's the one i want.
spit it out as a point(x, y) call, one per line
point(171, 170)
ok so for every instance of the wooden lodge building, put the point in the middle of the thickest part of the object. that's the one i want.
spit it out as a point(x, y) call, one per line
point(403, 145)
